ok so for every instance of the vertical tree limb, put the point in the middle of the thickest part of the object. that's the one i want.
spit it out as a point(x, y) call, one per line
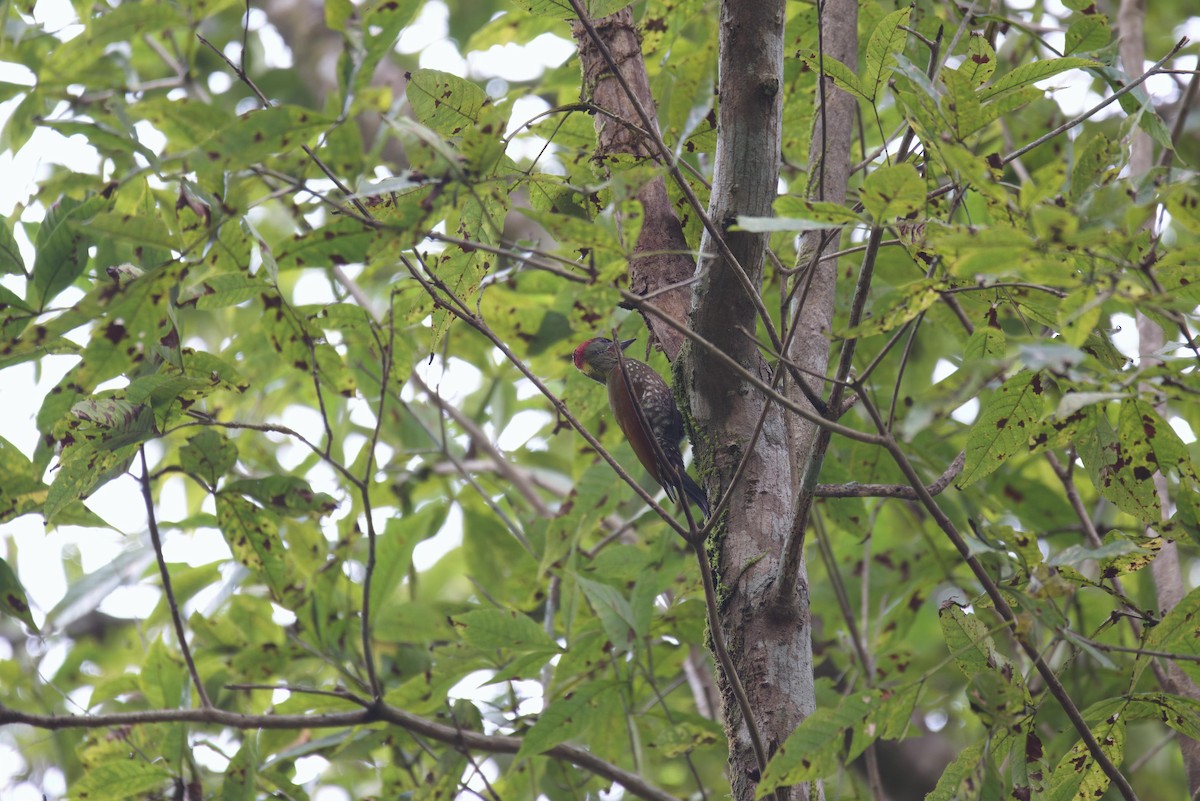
point(1168, 581)
point(662, 255)
point(772, 657)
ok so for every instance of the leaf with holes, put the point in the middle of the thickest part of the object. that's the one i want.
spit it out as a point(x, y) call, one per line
point(900, 307)
point(253, 536)
point(893, 191)
point(209, 455)
point(1077, 774)
point(1120, 464)
point(1004, 426)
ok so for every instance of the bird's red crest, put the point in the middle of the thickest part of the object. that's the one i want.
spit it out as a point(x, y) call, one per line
point(579, 353)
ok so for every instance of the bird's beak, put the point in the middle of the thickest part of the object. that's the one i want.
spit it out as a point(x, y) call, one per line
point(625, 343)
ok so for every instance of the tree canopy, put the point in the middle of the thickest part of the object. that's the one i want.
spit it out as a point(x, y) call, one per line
point(923, 277)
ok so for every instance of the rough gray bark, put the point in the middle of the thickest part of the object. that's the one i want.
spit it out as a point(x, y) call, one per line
point(772, 656)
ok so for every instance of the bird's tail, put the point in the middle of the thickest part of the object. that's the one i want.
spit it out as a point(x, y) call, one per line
point(695, 492)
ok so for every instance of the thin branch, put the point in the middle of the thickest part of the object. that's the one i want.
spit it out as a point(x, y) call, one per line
point(266, 102)
point(1117, 95)
point(514, 475)
point(1174, 656)
point(270, 428)
point(176, 617)
point(901, 491)
point(387, 351)
point(379, 713)
point(342, 694)
point(727, 361)
point(793, 549)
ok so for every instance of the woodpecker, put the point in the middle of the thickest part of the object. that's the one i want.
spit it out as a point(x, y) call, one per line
point(597, 359)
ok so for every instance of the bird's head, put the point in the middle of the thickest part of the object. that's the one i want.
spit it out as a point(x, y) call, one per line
point(597, 357)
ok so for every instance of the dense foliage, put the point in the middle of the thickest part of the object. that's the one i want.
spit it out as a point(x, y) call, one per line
point(320, 299)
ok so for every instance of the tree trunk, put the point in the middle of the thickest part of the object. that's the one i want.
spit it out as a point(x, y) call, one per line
point(772, 655)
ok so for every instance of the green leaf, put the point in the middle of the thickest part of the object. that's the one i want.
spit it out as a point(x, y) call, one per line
point(906, 304)
point(21, 490)
point(446, 103)
point(1179, 632)
point(23, 121)
point(185, 121)
point(1004, 426)
point(241, 775)
point(492, 629)
point(1031, 73)
point(1078, 775)
point(816, 211)
point(1121, 470)
point(256, 135)
point(980, 62)
point(284, 495)
point(337, 14)
point(124, 23)
point(963, 768)
point(162, 677)
point(209, 455)
point(1183, 202)
point(1086, 34)
point(893, 191)
point(1179, 712)
point(130, 228)
point(342, 242)
point(842, 76)
point(83, 468)
point(614, 611)
point(61, 246)
point(119, 779)
point(968, 641)
point(383, 23)
point(580, 713)
point(254, 539)
point(814, 750)
point(11, 262)
point(1092, 161)
point(886, 41)
point(961, 104)
point(224, 290)
point(1078, 315)
point(998, 693)
point(117, 422)
point(987, 345)
point(13, 600)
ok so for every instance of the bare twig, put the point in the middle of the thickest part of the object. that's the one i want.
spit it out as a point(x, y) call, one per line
point(901, 491)
point(164, 574)
point(378, 713)
point(517, 477)
point(1115, 96)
